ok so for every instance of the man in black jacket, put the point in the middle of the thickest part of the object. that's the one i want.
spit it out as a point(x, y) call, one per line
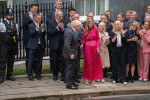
point(56, 28)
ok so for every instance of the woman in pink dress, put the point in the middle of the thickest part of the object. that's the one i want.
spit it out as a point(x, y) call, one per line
point(92, 69)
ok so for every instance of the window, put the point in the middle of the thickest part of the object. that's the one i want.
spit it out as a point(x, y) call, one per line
point(3, 5)
point(97, 7)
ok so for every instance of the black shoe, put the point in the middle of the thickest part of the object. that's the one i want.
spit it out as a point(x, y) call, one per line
point(77, 80)
point(62, 79)
point(31, 78)
point(71, 86)
point(75, 84)
point(10, 78)
point(1, 80)
point(132, 79)
point(38, 77)
point(55, 78)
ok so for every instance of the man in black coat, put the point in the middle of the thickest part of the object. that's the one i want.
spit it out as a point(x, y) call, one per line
point(56, 28)
point(27, 20)
point(58, 6)
point(36, 45)
point(70, 53)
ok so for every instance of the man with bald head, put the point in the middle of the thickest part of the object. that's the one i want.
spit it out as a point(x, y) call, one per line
point(90, 15)
point(56, 28)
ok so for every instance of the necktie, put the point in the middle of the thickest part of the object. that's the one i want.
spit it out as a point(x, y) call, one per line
point(76, 33)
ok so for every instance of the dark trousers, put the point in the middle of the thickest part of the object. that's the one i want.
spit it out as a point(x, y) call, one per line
point(7, 57)
point(71, 70)
point(27, 54)
point(78, 64)
point(57, 62)
point(33, 53)
point(119, 58)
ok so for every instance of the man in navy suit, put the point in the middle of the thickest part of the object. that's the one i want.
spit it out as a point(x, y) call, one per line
point(56, 36)
point(58, 6)
point(27, 20)
point(36, 45)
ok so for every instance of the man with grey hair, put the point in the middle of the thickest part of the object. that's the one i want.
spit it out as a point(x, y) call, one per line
point(70, 53)
point(58, 7)
point(56, 28)
point(133, 17)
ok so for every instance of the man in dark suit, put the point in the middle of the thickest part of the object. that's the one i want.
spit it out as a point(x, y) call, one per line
point(36, 45)
point(72, 12)
point(90, 15)
point(27, 20)
point(70, 53)
point(58, 6)
point(56, 36)
point(127, 24)
point(145, 14)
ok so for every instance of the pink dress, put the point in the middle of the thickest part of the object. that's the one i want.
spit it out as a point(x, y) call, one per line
point(92, 69)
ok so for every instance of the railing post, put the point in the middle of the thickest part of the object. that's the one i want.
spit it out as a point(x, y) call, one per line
point(26, 7)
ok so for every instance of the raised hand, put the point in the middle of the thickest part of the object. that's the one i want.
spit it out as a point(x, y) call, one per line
point(42, 26)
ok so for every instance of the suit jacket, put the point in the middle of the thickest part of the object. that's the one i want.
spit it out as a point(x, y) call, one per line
point(34, 37)
point(113, 45)
point(51, 14)
point(84, 24)
point(55, 36)
point(71, 41)
point(26, 21)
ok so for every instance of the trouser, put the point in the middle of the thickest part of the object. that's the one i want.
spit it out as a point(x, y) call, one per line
point(119, 57)
point(33, 53)
point(146, 65)
point(140, 64)
point(71, 70)
point(27, 54)
point(57, 62)
point(7, 57)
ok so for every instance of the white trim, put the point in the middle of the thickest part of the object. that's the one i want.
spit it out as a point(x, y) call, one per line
point(9, 2)
point(95, 7)
point(106, 5)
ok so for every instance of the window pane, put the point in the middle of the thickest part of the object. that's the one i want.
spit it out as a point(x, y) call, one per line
point(100, 7)
point(79, 5)
point(90, 6)
point(3, 5)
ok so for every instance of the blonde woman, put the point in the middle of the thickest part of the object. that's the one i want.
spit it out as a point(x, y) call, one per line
point(104, 53)
point(133, 38)
point(92, 69)
point(118, 47)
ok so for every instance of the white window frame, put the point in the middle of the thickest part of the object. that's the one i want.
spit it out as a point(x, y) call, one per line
point(9, 2)
point(96, 18)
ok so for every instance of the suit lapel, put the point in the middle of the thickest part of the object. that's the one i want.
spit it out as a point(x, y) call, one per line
point(74, 35)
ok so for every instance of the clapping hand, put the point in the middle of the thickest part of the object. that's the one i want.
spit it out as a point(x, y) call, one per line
point(30, 15)
point(37, 26)
point(62, 26)
point(42, 26)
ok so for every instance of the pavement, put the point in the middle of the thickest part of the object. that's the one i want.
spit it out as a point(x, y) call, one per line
point(48, 89)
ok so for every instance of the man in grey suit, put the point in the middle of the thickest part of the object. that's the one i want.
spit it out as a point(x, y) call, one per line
point(70, 53)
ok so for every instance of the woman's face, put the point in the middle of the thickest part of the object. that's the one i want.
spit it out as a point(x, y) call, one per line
point(91, 24)
point(146, 25)
point(133, 28)
point(117, 26)
point(101, 28)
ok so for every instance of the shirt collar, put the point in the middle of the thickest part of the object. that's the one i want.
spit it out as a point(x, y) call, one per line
point(8, 21)
point(56, 20)
point(73, 29)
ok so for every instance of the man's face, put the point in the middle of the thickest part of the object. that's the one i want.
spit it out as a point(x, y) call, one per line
point(10, 17)
point(120, 18)
point(90, 15)
point(38, 19)
point(34, 9)
point(147, 18)
point(76, 16)
point(58, 5)
point(77, 28)
point(148, 9)
point(128, 16)
point(72, 13)
point(103, 18)
point(132, 16)
point(108, 13)
point(59, 16)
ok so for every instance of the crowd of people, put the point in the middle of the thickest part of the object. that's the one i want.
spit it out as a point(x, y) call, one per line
point(121, 46)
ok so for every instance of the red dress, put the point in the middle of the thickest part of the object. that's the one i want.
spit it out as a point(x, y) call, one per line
point(92, 69)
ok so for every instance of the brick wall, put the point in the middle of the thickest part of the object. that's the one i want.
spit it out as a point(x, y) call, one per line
point(117, 6)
